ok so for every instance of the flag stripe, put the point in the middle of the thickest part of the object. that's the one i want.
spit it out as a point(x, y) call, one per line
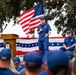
point(31, 18)
point(35, 18)
point(25, 26)
point(26, 19)
point(27, 31)
point(26, 16)
point(34, 24)
point(25, 13)
point(34, 27)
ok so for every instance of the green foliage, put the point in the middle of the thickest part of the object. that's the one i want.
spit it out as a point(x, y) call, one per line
point(64, 11)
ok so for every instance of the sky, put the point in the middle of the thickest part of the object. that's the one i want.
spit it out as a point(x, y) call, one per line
point(16, 29)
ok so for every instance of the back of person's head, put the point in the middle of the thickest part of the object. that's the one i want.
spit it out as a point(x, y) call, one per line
point(69, 54)
point(17, 62)
point(58, 63)
point(24, 57)
point(33, 62)
point(5, 54)
point(5, 57)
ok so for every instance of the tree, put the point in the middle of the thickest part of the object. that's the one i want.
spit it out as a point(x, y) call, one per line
point(63, 11)
point(11, 9)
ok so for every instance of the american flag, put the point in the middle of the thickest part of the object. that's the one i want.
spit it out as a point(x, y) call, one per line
point(30, 19)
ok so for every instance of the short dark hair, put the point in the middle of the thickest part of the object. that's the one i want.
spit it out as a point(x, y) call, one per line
point(57, 69)
point(70, 31)
point(31, 67)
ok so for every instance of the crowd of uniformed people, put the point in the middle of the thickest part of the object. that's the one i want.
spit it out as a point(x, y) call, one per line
point(57, 63)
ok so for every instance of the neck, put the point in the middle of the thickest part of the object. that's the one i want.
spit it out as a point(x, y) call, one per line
point(69, 36)
point(43, 23)
point(29, 73)
point(4, 65)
